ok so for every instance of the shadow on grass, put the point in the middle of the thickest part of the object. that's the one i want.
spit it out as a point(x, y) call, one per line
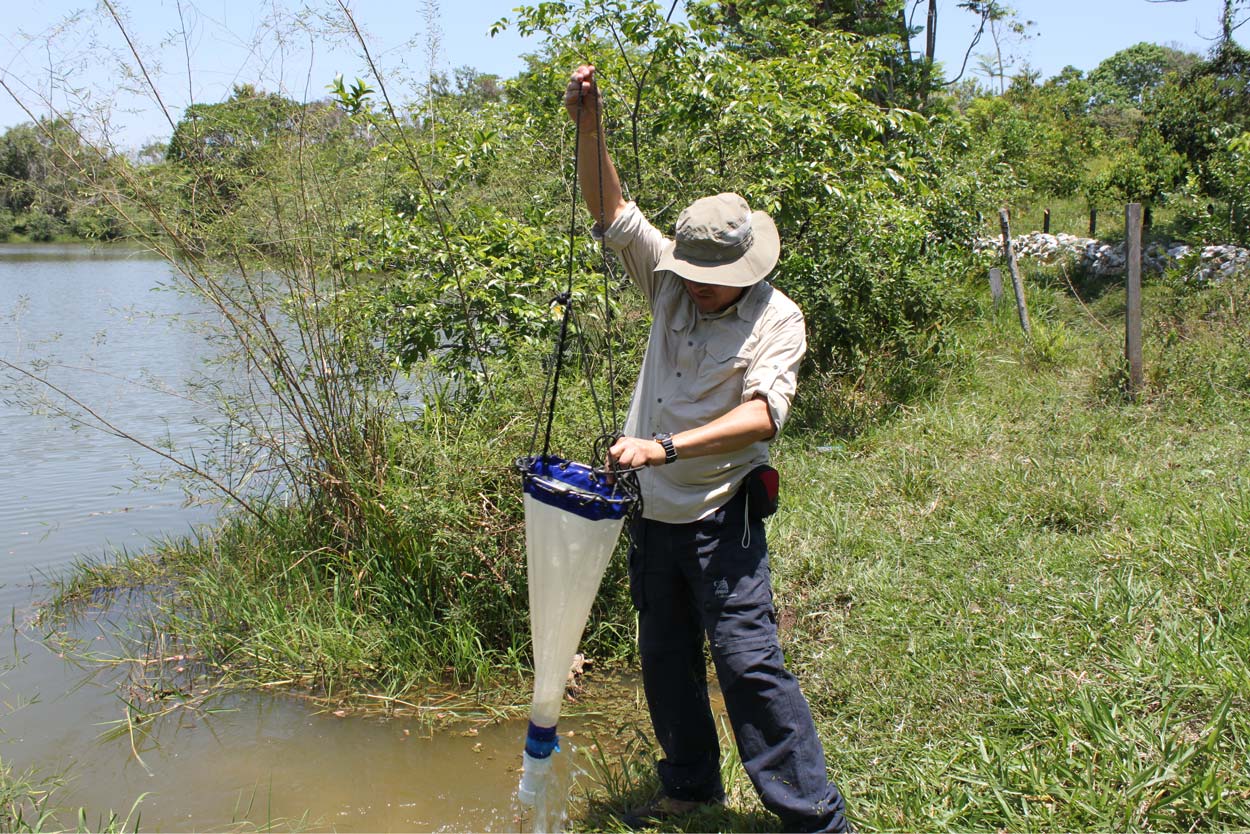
point(1084, 284)
point(605, 815)
point(624, 780)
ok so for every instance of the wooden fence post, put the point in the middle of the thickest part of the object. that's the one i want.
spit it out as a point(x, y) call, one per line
point(1132, 316)
point(1016, 284)
point(1046, 222)
point(996, 285)
point(1093, 222)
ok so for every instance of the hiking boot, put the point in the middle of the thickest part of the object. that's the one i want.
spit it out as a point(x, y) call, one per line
point(665, 808)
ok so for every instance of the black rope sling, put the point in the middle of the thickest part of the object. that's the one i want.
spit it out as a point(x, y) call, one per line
point(623, 481)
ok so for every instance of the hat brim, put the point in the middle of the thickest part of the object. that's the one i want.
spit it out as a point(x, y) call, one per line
point(753, 267)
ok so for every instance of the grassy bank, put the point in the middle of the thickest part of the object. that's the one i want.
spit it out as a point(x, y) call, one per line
point(1023, 604)
point(427, 595)
point(1019, 604)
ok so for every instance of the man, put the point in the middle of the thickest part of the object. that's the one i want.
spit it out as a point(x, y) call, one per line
point(716, 385)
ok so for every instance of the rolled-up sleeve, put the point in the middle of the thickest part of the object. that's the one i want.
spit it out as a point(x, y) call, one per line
point(638, 243)
point(773, 368)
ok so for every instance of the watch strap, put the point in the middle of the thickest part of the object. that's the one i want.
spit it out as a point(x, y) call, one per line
point(665, 439)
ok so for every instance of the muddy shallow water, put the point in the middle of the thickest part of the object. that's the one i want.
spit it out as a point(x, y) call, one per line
point(275, 760)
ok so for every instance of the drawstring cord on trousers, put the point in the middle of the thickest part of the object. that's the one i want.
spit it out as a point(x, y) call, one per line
point(746, 521)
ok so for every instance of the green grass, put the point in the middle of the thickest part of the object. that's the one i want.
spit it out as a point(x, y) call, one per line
point(1019, 603)
point(27, 806)
point(1023, 604)
point(429, 598)
point(23, 801)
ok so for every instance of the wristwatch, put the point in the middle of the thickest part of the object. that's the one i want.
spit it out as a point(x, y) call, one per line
point(665, 439)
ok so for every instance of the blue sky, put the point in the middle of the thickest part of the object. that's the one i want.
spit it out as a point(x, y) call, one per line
point(73, 44)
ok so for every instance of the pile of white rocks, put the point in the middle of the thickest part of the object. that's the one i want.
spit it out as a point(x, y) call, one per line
point(1213, 263)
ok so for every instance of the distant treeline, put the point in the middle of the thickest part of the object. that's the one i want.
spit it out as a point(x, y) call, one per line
point(1151, 124)
point(44, 191)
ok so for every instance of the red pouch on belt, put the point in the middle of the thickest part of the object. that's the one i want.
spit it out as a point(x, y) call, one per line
point(763, 485)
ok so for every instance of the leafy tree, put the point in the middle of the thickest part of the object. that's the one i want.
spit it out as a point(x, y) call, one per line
point(229, 133)
point(40, 166)
point(869, 199)
point(1199, 111)
point(1069, 94)
point(46, 172)
point(224, 143)
point(1143, 169)
point(42, 227)
point(901, 81)
point(1129, 76)
point(474, 90)
point(1230, 174)
point(22, 167)
point(152, 153)
point(1037, 132)
point(1215, 206)
point(873, 18)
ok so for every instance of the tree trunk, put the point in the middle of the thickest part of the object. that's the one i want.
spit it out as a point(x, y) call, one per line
point(904, 35)
point(930, 36)
point(998, 51)
point(930, 48)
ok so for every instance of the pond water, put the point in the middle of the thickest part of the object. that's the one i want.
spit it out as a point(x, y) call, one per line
point(100, 318)
point(97, 317)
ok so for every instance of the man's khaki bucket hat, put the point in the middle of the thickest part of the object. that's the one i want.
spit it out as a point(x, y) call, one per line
point(721, 241)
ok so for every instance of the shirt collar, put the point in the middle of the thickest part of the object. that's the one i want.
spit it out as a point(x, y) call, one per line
point(746, 308)
point(753, 301)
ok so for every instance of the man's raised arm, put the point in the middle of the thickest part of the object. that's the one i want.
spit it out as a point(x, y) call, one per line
point(601, 187)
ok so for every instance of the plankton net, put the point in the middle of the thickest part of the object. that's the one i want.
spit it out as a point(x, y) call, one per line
point(574, 513)
point(573, 519)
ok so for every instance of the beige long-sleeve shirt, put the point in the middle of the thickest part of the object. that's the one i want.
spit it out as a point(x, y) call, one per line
point(699, 367)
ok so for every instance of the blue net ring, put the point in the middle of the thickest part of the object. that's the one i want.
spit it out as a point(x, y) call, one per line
point(574, 487)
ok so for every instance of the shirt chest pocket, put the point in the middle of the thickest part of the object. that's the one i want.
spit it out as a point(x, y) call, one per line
point(722, 365)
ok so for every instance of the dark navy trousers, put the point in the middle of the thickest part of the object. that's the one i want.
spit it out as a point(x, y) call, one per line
point(708, 581)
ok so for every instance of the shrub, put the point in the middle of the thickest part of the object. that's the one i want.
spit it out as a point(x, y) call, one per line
point(1141, 171)
point(89, 222)
point(41, 227)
